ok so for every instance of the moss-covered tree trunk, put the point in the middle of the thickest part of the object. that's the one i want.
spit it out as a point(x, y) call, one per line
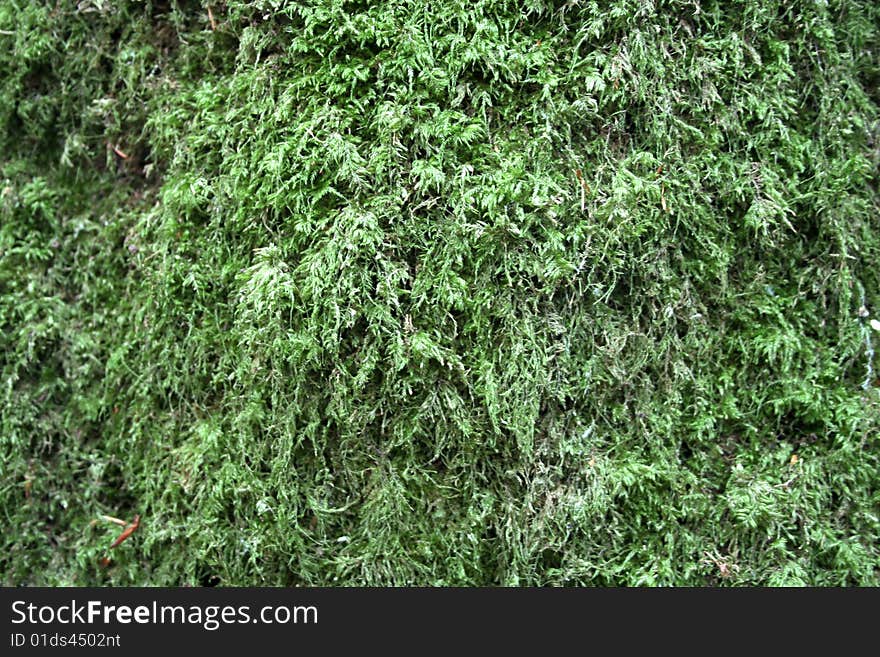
point(451, 292)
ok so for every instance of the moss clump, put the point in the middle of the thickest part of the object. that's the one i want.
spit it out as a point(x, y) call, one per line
point(446, 293)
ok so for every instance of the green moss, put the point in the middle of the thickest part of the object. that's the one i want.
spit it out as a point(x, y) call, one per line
point(454, 293)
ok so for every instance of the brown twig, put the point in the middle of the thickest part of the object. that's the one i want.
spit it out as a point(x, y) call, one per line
point(127, 532)
point(115, 521)
point(119, 152)
point(211, 18)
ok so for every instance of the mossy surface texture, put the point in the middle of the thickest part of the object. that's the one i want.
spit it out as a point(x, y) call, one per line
point(462, 292)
